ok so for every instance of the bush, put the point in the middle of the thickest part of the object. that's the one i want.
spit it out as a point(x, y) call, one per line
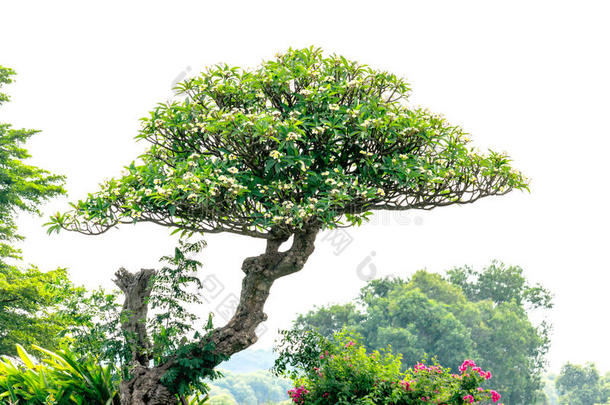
point(340, 371)
point(59, 378)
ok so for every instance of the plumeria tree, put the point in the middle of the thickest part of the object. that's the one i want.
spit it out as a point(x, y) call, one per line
point(300, 144)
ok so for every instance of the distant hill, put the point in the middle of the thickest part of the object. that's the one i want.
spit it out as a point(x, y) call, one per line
point(255, 388)
point(248, 361)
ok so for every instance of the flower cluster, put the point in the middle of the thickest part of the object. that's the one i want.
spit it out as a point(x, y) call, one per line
point(297, 394)
point(471, 365)
point(349, 373)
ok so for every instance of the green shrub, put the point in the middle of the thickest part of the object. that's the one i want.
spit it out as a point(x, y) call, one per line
point(340, 371)
point(58, 378)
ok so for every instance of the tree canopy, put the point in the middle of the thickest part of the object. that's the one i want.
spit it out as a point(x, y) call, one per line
point(22, 187)
point(303, 138)
point(428, 315)
point(580, 385)
point(28, 297)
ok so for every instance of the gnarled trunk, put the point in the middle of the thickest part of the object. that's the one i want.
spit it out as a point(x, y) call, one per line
point(145, 386)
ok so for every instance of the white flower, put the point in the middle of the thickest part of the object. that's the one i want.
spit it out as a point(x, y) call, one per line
point(292, 136)
point(333, 107)
point(305, 92)
point(380, 192)
point(232, 170)
point(275, 154)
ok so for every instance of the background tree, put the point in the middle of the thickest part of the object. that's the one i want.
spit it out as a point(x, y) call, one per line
point(28, 298)
point(429, 315)
point(580, 385)
point(302, 143)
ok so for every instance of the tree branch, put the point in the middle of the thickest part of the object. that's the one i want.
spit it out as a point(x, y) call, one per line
point(260, 273)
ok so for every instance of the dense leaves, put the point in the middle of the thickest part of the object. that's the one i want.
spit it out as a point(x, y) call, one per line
point(430, 315)
point(343, 372)
point(59, 378)
point(22, 187)
point(30, 307)
point(29, 297)
point(302, 138)
point(581, 385)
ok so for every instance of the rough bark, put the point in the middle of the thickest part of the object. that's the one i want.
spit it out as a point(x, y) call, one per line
point(145, 387)
point(136, 288)
point(261, 271)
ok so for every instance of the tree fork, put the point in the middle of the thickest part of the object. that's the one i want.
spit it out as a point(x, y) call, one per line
point(145, 386)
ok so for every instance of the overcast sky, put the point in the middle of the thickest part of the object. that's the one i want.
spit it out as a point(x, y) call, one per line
point(531, 78)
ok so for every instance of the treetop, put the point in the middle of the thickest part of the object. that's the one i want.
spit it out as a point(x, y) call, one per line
point(303, 139)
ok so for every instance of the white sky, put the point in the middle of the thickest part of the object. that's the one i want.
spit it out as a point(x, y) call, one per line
point(528, 77)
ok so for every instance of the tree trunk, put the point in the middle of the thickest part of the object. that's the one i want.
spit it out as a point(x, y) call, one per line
point(145, 387)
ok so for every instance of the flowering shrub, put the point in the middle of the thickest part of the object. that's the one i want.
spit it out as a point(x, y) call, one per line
point(347, 374)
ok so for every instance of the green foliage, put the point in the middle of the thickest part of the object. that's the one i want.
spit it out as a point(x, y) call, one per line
point(28, 298)
point(303, 138)
point(192, 364)
point(581, 385)
point(430, 315)
point(500, 283)
point(22, 187)
point(60, 378)
point(175, 286)
point(347, 374)
point(97, 329)
point(170, 327)
point(29, 304)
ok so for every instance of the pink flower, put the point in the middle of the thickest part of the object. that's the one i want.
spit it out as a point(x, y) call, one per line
point(405, 385)
point(468, 398)
point(297, 394)
point(495, 396)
